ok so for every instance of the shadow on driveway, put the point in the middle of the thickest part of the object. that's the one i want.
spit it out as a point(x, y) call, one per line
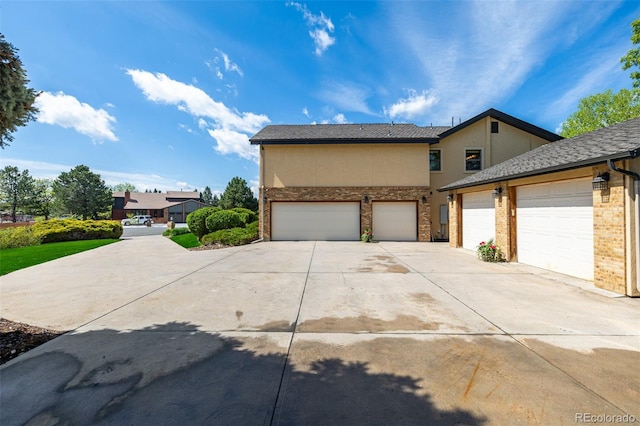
point(186, 376)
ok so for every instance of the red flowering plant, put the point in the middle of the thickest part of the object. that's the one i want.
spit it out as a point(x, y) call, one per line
point(489, 252)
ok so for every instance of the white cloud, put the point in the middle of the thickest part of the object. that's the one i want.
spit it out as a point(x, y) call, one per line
point(495, 50)
point(346, 96)
point(320, 25)
point(305, 111)
point(230, 128)
point(66, 111)
point(415, 105)
point(601, 69)
point(229, 65)
point(340, 119)
point(229, 141)
point(142, 182)
point(254, 184)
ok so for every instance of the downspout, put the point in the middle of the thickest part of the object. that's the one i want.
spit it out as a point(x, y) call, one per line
point(636, 206)
point(262, 193)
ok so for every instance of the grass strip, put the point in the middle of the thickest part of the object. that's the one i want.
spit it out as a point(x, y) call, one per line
point(22, 257)
point(186, 240)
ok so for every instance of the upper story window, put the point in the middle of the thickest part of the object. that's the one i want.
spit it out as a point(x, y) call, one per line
point(435, 160)
point(494, 127)
point(472, 160)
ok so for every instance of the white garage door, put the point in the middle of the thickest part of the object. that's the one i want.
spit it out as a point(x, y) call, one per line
point(395, 221)
point(478, 219)
point(555, 227)
point(315, 221)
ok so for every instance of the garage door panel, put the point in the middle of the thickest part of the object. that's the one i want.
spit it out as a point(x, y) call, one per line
point(395, 221)
point(478, 219)
point(309, 221)
point(555, 227)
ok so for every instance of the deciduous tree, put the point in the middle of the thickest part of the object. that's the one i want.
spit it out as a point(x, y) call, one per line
point(632, 58)
point(238, 194)
point(602, 110)
point(16, 99)
point(43, 200)
point(16, 190)
point(83, 192)
point(124, 187)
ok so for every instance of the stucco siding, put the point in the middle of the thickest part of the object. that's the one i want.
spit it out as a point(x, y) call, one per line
point(346, 165)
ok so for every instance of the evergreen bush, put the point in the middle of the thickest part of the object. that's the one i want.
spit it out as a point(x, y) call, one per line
point(224, 219)
point(18, 236)
point(197, 220)
point(56, 230)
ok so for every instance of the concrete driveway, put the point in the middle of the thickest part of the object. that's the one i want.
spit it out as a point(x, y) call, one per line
point(315, 333)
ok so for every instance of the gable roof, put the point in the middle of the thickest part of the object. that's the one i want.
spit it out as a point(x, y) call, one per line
point(157, 200)
point(617, 142)
point(346, 133)
point(505, 118)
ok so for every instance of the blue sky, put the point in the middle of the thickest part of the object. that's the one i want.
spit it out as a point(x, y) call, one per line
point(166, 95)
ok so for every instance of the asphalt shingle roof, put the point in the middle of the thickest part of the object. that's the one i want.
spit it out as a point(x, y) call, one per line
point(156, 200)
point(615, 142)
point(341, 133)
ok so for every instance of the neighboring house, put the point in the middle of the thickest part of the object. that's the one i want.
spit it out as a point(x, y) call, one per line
point(488, 138)
point(570, 206)
point(162, 206)
point(334, 181)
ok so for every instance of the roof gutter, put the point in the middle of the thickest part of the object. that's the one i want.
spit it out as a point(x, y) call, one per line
point(636, 206)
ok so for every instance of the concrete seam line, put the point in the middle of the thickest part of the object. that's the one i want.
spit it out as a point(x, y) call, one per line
point(282, 387)
point(158, 289)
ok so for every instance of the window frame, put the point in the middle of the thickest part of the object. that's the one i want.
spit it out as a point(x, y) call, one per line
point(480, 160)
point(439, 160)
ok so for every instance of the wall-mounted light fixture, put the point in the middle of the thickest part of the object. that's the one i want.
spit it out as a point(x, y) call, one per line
point(366, 199)
point(424, 199)
point(601, 182)
point(449, 198)
point(497, 192)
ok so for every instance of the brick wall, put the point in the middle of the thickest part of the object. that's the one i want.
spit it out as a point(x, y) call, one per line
point(609, 234)
point(502, 221)
point(455, 213)
point(389, 193)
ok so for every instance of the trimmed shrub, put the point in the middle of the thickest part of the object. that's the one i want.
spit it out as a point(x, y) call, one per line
point(19, 236)
point(197, 220)
point(232, 237)
point(248, 216)
point(176, 231)
point(224, 219)
point(56, 230)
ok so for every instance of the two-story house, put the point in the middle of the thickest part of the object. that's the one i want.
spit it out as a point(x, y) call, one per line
point(335, 181)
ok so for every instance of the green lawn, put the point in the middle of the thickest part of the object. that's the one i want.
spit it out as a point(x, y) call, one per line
point(23, 257)
point(186, 240)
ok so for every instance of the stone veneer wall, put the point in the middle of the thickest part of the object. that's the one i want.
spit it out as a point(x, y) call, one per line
point(385, 193)
point(609, 235)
